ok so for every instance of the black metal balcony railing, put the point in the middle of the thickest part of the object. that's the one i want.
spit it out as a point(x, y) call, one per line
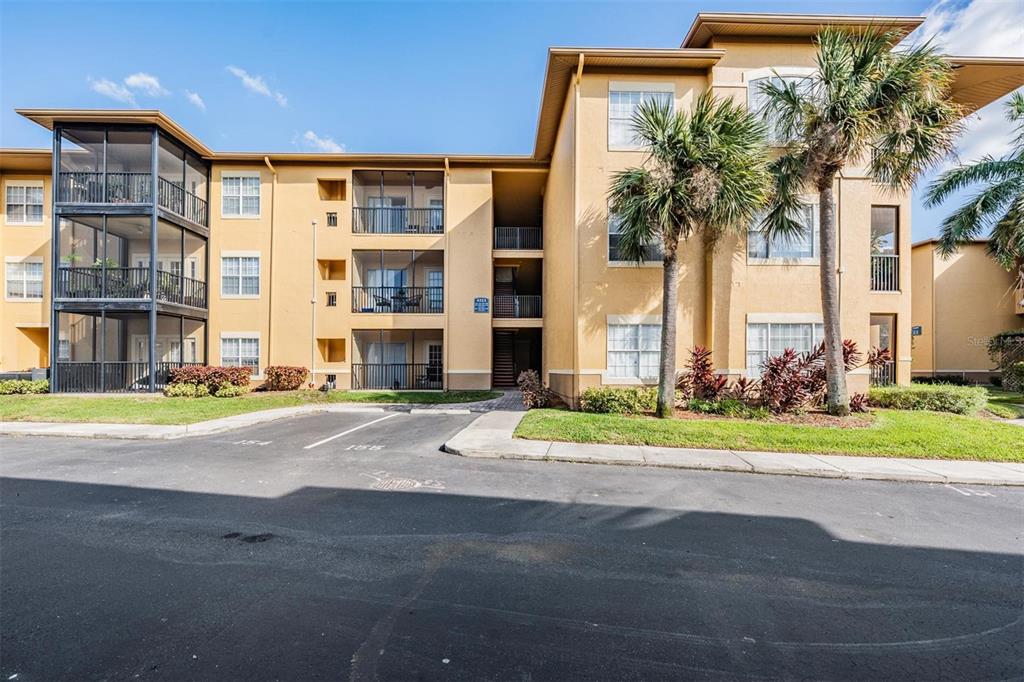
point(398, 376)
point(518, 238)
point(129, 283)
point(884, 374)
point(184, 203)
point(398, 299)
point(398, 220)
point(517, 306)
point(885, 272)
point(87, 187)
point(112, 376)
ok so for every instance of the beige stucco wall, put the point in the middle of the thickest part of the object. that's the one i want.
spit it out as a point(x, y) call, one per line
point(24, 325)
point(960, 303)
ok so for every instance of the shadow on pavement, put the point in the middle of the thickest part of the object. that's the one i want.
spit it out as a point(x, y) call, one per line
point(104, 581)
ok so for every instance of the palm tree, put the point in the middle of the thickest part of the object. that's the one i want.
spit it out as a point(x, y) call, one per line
point(705, 173)
point(864, 103)
point(998, 208)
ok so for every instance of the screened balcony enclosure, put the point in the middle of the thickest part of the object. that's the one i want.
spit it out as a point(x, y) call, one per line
point(108, 257)
point(398, 281)
point(408, 359)
point(105, 352)
point(398, 202)
point(115, 166)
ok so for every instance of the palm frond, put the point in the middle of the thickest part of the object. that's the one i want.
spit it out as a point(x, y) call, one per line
point(982, 210)
point(1006, 245)
point(789, 180)
point(987, 169)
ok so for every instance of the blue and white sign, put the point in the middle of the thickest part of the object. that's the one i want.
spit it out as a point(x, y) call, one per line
point(915, 330)
point(481, 305)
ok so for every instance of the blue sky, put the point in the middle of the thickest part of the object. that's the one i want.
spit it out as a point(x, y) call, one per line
point(384, 77)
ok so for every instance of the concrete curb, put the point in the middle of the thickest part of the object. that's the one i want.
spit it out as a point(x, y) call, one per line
point(490, 436)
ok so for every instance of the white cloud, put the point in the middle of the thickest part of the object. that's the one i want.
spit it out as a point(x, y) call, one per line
point(980, 28)
point(195, 99)
point(114, 91)
point(256, 84)
point(323, 144)
point(147, 83)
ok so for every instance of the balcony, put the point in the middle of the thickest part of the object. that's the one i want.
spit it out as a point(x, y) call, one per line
point(885, 272)
point(398, 299)
point(114, 376)
point(397, 281)
point(129, 283)
point(106, 351)
point(884, 374)
point(518, 238)
point(115, 166)
point(398, 220)
point(517, 306)
point(398, 359)
point(398, 202)
point(85, 187)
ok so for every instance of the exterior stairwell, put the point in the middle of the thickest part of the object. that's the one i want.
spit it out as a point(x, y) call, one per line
point(503, 373)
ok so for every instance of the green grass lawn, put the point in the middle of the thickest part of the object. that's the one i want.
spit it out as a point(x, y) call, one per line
point(156, 409)
point(1005, 403)
point(893, 434)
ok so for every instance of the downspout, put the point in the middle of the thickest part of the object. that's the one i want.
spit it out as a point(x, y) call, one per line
point(270, 266)
point(446, 301)
point(575, 230)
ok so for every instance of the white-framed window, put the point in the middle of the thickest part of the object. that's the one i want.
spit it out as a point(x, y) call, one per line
point(241, 351)
point(633, 350)
point(24, 280)
point(803, 245)
point(24, 203)
point(653, 252)
point(624, 98)
point(240, 276)
point(63, 349)
point(756, 99)
point(240, 195)
point(765, 339)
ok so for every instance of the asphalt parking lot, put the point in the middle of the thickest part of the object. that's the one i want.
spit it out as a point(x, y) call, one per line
point(347, 546)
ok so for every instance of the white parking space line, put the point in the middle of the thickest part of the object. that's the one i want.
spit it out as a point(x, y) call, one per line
point(353, 429)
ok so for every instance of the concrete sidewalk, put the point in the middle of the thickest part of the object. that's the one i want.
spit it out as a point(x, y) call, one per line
point(490, 436)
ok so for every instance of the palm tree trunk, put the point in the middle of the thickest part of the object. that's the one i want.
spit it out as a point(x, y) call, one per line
point(667, 365)
point(838, 398)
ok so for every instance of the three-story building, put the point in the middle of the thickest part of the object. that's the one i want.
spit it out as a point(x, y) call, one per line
point(435, 271)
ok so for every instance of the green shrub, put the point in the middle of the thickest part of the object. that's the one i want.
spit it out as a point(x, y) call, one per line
point(20, 386)
point(936, 397)
point(1013, 377)
point(212, 377)
point(187, 390)
point(608, 400)
point(284, 378)
point(230, 391)
point(948, 379)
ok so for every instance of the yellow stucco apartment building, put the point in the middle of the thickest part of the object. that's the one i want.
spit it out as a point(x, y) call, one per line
point(131, 247)
point(958, 304)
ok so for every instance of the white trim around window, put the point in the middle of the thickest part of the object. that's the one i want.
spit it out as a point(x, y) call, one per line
point(768, 334)
point(240, 274)
point(779, 251)
point(21, 197)
point(633, 349)
point(240, 200)
point(242, 350)
point(653, 255)
point(623, 98)
point(24, 284)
